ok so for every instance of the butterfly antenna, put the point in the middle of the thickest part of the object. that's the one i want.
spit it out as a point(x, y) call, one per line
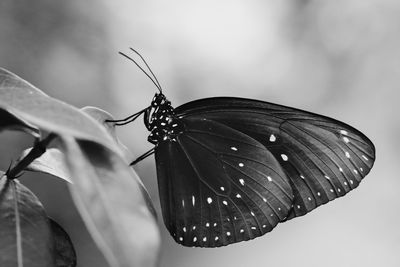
point(131, 59)
point(144, 61)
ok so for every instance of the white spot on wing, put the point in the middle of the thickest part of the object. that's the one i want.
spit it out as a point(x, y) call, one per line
point(184, 229)
point(241, 230)
point(364, 157)
point(209, 200)
point(193, 200)
point(346, 140)
point(228, 233)
point(194, 239)
point(225, 203)
point(222, 188)
point(347, 154)
point(272, 138)
point(241, 181)
point(284, 157)
point(269, 178)
point(234, 148)
point(183, 203)
point(241, 164)
point(238, 196)
point(216, 238)
point(343, 132)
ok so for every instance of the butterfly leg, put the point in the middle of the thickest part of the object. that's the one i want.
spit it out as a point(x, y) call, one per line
point(128, 119)
point(142, 157)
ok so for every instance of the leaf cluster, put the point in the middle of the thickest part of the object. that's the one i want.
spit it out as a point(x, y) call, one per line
point(80, 147)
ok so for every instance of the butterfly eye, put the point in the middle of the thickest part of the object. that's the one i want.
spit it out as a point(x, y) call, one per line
point(154, 101)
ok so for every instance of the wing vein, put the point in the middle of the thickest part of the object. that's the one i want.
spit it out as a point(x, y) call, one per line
point(224, 137)
point(257, 182)
point(323, 143)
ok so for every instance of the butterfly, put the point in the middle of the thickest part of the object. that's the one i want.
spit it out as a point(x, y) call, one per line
point(230, 169)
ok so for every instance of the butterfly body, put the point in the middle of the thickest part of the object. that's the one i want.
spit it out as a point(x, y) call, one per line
point(230, 169)
point(160, 120)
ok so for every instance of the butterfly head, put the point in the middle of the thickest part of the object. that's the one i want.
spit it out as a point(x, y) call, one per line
point(159, 99)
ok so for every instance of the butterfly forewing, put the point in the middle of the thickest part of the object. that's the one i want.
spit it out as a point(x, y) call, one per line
point(219, 186)
point(322, 157)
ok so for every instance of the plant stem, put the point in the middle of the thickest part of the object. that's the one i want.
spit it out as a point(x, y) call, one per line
point(37, 150)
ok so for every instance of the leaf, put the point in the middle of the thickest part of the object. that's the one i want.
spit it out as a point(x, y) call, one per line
point(51, 162)
point(64, 251)
point(31, 105)
point(101, 116)
point(112, 204)
point(11, 122)
point(25, 234)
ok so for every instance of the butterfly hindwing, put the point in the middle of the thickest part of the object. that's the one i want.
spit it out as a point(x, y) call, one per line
point(219, 186)
point(322, 157)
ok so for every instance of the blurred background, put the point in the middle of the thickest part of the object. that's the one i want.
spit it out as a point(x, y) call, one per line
point(338, 58)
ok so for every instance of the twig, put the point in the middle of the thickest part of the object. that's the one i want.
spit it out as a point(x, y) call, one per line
point(38, 149)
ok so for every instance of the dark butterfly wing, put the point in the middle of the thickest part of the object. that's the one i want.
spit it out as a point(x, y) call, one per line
point(219, 186)
point(322, 157)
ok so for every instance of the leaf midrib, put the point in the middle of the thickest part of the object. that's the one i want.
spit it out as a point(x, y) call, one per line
point(17, 225)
